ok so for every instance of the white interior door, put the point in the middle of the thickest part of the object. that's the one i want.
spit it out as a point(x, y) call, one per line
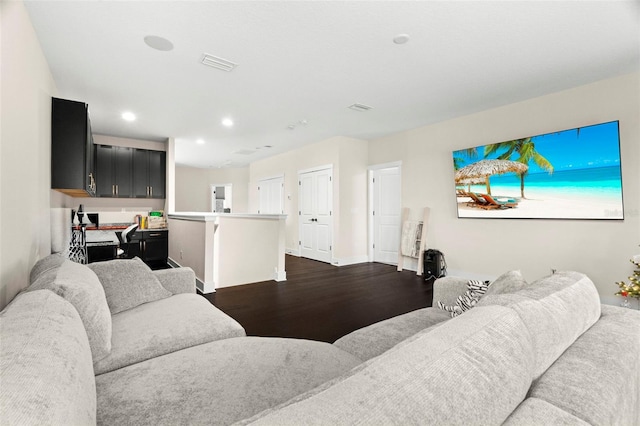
point(387, 211)
point(271, 196)
point(315, 215)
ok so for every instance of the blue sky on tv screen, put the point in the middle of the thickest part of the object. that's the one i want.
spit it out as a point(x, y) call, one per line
point(583, 148)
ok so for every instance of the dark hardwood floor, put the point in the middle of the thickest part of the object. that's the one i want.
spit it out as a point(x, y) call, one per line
point(323, 302)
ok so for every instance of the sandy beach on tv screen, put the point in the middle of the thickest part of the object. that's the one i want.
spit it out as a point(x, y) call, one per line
point(543, 205)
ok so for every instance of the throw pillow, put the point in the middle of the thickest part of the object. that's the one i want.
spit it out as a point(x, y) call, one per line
point(475, 290)
point(128, 283)
point(509, 282)
point(80, 286)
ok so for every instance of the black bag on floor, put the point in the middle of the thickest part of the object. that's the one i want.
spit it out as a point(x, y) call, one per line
point(434, 265)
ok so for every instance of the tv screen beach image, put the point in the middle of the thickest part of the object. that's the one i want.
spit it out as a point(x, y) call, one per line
point(571, 174)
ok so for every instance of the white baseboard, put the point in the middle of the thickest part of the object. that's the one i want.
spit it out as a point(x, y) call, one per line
point(292, 252)
point(280, 276)
point(349, 260)
point(203, 287)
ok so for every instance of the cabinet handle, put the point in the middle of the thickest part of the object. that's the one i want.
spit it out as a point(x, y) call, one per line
point(151, 191)
point(147, 191)
point(113, 190)
point(117, 189)
point(157, 234)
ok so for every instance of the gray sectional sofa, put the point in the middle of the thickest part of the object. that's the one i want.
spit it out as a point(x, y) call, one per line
point(116, 343)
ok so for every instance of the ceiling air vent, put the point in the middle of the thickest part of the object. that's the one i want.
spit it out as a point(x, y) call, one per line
point(244, 152)
point(219, 63)
point(359, 107)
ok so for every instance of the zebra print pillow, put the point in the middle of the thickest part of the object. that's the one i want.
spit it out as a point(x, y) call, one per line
point(475, 290)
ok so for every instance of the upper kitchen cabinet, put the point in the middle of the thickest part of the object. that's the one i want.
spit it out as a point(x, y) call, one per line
point(149, 174)
point(72, 168)
point(114, 171)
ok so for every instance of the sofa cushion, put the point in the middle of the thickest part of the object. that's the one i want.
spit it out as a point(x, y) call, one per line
point(597, 378)
point(556, 310)
point(373, 340)
point(509, 282)
point(165, 326)
point(217, 383)
point(472, 369)
point(177, 280)
point(47, 263)
point(45, 363)
point(128, 283)
point(447, 289)
point(534, 411)
point(80, 286)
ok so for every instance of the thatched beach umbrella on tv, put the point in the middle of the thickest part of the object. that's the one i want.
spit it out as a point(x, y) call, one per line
point(471, 181)
point(486, 168)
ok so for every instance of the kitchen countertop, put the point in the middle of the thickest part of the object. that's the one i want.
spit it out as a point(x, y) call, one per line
point(117, 227)
point(101, 238)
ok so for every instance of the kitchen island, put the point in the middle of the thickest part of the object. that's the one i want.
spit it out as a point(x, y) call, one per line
point(227, 249)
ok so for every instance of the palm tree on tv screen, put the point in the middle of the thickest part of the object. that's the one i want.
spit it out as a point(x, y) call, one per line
point(458, 161)
point(526, 150)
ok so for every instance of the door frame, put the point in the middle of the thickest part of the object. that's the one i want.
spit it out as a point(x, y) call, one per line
point(212, 188)
point(310, 170)
point(370, 173)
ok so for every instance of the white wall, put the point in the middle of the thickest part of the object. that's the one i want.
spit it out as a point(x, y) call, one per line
point(193, 188)
point(129, 142)
point(348, 157)
point(601, 249)
point(351, 224)
point(25, 150)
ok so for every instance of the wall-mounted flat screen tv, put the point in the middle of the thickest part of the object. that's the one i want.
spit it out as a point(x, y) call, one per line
point(572, 174)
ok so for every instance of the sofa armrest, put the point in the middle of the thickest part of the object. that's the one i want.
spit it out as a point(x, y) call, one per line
point(177, 280)
point(447, 290)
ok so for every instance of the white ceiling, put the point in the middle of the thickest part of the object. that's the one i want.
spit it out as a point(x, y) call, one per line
point(310, 60)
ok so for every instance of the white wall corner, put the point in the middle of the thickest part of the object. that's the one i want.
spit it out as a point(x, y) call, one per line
point(280, 276)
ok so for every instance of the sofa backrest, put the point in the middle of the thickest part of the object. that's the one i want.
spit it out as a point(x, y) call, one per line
point(556, 310)
point(45, 363)
point(478, 365)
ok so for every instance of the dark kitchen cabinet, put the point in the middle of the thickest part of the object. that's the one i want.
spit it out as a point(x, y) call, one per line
point(72, 166)
point(150, 245)
point(114, 171)
point(149, 174)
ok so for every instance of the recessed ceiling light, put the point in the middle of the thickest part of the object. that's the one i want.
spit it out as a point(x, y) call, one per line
point(227, 122)
point(128, 116)
point(200, 142)
point(158, 43)
point(401, 38)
